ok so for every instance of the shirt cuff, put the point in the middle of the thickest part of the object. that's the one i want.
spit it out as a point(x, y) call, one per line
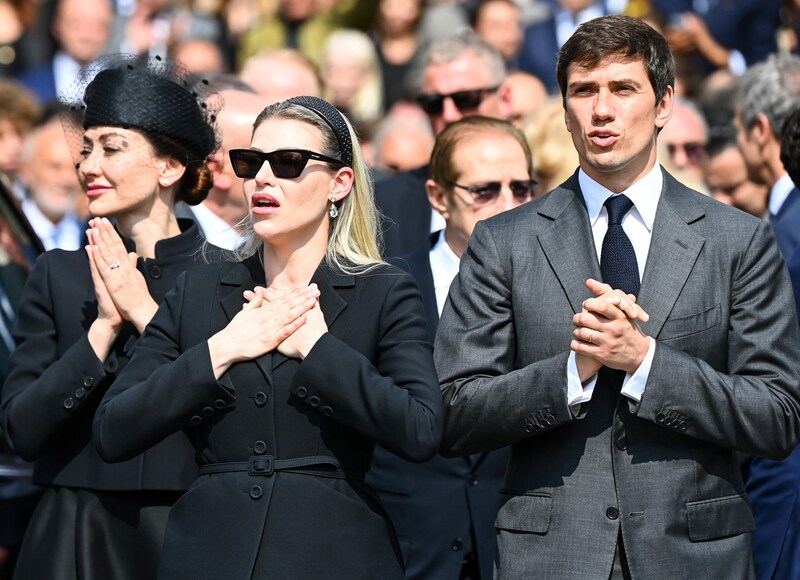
point(578, 392)
point(633, 385)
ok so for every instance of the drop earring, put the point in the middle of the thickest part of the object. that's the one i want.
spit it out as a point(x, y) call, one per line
point(333, 211)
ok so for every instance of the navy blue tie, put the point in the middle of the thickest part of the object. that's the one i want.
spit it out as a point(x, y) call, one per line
point(617, 258)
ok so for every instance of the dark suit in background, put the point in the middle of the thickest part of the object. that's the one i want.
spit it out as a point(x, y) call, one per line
point(405, 211)
point(445, 506)
point(786, 224)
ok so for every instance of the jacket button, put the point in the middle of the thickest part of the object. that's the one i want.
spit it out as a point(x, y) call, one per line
point(682, 426)
point(88, 382)
point(69, 403)
point(256, 492)
point(80, 392)
point(473, 481)
point(327, 411)
point(260, 398)
point(313, 400)
point(622, 443)
point(207, 411)
point(155, 272)
point(528, 426)
point(259, 447)
point(301, 392)
point(195, 420)
point(219, 403)
point(660, 418)
point(457, 544)
point(612, 513)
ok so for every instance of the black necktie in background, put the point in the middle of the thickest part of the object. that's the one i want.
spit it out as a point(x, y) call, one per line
point(617, 258)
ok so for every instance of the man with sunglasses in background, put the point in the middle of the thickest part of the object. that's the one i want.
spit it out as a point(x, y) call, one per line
point(685, 137)
point(454, 77)
point(443, 510)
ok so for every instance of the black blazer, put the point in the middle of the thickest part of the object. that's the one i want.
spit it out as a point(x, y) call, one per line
point(436, 506)
point(369, 379)
point(405, 211)
point(56, 381)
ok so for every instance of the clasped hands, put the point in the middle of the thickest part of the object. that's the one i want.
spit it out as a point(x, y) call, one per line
point(607, 332)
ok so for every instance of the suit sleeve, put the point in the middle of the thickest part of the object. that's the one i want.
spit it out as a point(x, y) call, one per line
point(47, 392)
point(490, 400)
point(754, 406)
point(395, 401)
point(165, 387)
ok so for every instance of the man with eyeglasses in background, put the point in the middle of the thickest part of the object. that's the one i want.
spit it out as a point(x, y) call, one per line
point(454, 77)
point(444, 509)
point(684, 138)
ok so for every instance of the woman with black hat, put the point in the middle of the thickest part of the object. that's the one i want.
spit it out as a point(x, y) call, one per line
point(144, 140)
point(285, 396)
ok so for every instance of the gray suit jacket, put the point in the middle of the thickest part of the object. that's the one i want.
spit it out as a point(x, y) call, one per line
point(724, 377)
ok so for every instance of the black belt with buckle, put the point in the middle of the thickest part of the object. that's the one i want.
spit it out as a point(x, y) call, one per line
point(266, 465)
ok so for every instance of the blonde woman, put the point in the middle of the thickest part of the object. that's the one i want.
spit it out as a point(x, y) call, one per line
point(286, 368)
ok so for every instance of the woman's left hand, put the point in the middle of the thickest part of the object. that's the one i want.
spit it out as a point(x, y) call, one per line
point(125, 284)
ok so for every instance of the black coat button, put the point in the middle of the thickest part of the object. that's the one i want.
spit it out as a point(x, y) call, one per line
point(155, 271)
point(260, 399)
point(196, 420)
point(327, 411)
point(622, 443)
point(313, 400)
point(682, 426)
point(528, 426)
point(256, 492)
point(219, 403)
point(660, 418)
point(612, 513)
point(473, 481)
point(88, 382)
point(80, 392)
point(69, 403)
point(259, 447)
point(668, 421)
point(457, 544)
point(207, 411)
point(301, 392)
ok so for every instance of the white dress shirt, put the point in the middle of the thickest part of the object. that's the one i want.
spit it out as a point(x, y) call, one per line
point(66, 234)
point(638, 225)
point(779, 192)
point(444, 267)
point(216, 230)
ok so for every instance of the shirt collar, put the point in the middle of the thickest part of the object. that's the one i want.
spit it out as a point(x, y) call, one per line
point(780, 191)
point(644, 194)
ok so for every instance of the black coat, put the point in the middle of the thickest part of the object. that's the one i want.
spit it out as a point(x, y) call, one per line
point(56, 381)
point(369, 379)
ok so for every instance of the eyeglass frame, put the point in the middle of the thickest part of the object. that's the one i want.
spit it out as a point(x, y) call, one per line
point(694, 150)
point(498, 187)
point(454, 96)
point(306, 154)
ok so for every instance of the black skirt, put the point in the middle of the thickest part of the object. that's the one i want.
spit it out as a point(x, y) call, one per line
point(79, 534)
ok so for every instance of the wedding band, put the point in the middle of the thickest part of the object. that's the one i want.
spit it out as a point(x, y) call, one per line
point(114, 265)
point(591, 335)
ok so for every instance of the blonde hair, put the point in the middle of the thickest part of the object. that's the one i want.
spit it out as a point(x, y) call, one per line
point(353, 235)
point(554, 154)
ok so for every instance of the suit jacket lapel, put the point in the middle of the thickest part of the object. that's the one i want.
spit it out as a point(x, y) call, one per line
point(332, 286)
point(674, 248)
point(568, 243)
point(234, 281)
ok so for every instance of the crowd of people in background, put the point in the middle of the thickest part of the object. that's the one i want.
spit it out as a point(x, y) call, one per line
point(432, 89)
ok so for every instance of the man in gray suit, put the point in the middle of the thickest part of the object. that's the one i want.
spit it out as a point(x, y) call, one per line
point(623, 401)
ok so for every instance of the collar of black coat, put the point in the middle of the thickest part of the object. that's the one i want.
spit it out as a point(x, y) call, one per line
point(252, 268)
point(188, 241)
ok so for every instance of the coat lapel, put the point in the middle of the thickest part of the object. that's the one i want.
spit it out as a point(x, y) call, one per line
point(568, 243)
point(674, 248)
point(238, 278)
